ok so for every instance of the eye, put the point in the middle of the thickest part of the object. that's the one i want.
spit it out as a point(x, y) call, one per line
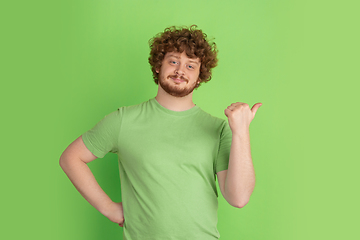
point(173, 62)
point(191, 66)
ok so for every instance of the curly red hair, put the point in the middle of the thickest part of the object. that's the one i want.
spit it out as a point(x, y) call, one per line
point(191, 40)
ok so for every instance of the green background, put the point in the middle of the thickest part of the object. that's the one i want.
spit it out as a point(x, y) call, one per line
point(67, 64)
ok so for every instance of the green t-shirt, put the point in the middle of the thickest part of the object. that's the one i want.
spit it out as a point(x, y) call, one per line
point(168, 162)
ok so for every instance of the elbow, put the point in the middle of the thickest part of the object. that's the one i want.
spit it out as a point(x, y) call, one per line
point(62, 163)
point(243, 200)
point(238, 202)
point(68, 162)
point(241, 204)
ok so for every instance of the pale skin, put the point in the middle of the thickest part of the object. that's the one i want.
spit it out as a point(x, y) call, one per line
point(236, 184)
point(238, 181)
point(74, 163)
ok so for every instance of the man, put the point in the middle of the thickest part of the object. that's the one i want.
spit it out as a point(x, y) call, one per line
point(169, 149)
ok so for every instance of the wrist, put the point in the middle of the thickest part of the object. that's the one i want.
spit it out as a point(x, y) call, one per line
point(241, 132)
point(106, 207)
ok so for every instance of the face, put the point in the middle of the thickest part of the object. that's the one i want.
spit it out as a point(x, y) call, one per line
point(179, 74)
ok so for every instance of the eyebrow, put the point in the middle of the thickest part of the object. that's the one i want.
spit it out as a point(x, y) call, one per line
point(193, 61)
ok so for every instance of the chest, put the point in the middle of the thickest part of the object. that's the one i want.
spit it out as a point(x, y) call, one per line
point(168, 144)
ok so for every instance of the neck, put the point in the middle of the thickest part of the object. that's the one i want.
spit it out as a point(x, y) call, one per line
point(174, 103)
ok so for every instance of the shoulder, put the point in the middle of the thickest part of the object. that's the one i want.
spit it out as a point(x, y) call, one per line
point(213, 119)
point(117, 115)
point(133, 109)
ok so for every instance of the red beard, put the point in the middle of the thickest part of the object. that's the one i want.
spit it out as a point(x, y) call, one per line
point(173, 89)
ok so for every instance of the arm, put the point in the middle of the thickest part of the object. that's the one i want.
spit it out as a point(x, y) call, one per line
point(74, 163)
point(240, 170)
point(240, 176)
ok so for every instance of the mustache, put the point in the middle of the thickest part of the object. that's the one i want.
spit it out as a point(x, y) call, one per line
point(177, 76)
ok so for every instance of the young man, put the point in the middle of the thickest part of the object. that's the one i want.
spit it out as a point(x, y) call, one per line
point(169, 150)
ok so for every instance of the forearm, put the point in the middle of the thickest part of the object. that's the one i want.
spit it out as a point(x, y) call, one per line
point(84, 181)
point(240, 178)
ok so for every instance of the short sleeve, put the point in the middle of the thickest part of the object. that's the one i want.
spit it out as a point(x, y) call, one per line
point(103, 137)
point(222, 160)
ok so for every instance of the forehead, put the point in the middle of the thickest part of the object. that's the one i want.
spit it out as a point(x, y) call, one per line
point(181, 56)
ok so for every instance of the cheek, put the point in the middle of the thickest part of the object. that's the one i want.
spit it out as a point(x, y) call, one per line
point(195, 74)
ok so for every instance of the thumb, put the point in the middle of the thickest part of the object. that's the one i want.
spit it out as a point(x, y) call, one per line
point(226, 111)
point(256, 107)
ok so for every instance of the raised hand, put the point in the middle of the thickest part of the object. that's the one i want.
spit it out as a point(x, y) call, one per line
point(240, 116)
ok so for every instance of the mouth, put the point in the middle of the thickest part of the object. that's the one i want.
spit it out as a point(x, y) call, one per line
point(177, 79)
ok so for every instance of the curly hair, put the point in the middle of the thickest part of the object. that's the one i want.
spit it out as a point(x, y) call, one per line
point(191, 40)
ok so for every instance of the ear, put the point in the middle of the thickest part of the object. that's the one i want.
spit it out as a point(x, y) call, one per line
point(198, 83)
point(157, 70)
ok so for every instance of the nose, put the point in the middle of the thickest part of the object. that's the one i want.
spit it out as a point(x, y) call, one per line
point(180, 70)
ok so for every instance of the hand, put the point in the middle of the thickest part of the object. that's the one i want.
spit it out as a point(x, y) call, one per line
point(115, 213)
point(240, 115)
